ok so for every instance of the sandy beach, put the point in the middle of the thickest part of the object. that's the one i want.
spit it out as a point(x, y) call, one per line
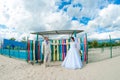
point(13, 69)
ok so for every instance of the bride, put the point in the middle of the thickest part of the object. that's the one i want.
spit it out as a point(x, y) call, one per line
point(73, 58)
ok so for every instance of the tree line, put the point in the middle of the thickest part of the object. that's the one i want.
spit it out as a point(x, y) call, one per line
point(23, 39)
point(96, 44)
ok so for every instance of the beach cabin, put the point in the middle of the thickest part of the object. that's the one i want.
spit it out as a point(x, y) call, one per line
point(58, 51)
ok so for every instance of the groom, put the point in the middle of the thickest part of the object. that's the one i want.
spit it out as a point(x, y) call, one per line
point(46, 50)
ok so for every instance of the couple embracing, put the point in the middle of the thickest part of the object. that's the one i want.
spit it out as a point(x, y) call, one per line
point(72, 59)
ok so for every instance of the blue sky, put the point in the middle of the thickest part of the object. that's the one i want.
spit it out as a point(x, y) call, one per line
point(98, 18)
point(2, 26)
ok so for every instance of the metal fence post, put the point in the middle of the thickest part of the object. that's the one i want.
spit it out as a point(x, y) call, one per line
point(110, 47)
point(9, 52)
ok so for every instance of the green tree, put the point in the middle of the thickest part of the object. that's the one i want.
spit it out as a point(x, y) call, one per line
point(94, 43)
point(12, 39)
point(90, 44)
point(23, 39)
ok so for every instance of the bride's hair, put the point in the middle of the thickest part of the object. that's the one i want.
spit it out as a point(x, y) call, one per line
point(73, 38)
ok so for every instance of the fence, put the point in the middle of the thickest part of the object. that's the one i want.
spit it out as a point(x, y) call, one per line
point(103, 49)
point(20, 54)
point(58, 52)
point(33, 50)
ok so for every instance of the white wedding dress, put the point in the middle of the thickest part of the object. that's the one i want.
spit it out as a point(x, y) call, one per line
point(73, 58)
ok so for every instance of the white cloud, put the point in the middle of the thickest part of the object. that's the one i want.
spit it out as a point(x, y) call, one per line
point(12, 15)
point(7, 33)
point(105, 35)
point(56, 21)
point(108, 19)
point(109, 15)
point(37, 15)
point(90, 8)
point(73, 11)
point(75, 25)
point(29, 16)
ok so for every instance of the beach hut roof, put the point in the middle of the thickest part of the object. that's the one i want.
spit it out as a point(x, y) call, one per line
point(58, 32)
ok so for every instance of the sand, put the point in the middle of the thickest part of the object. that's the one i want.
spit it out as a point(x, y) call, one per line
point(13, 69)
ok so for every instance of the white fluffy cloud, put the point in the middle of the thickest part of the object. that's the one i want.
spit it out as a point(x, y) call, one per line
point(108, 19)
point(29, 16)
point(109, 16)
point(105, 35)
point(12, 13)
point(89, 8)
point(23, 16)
